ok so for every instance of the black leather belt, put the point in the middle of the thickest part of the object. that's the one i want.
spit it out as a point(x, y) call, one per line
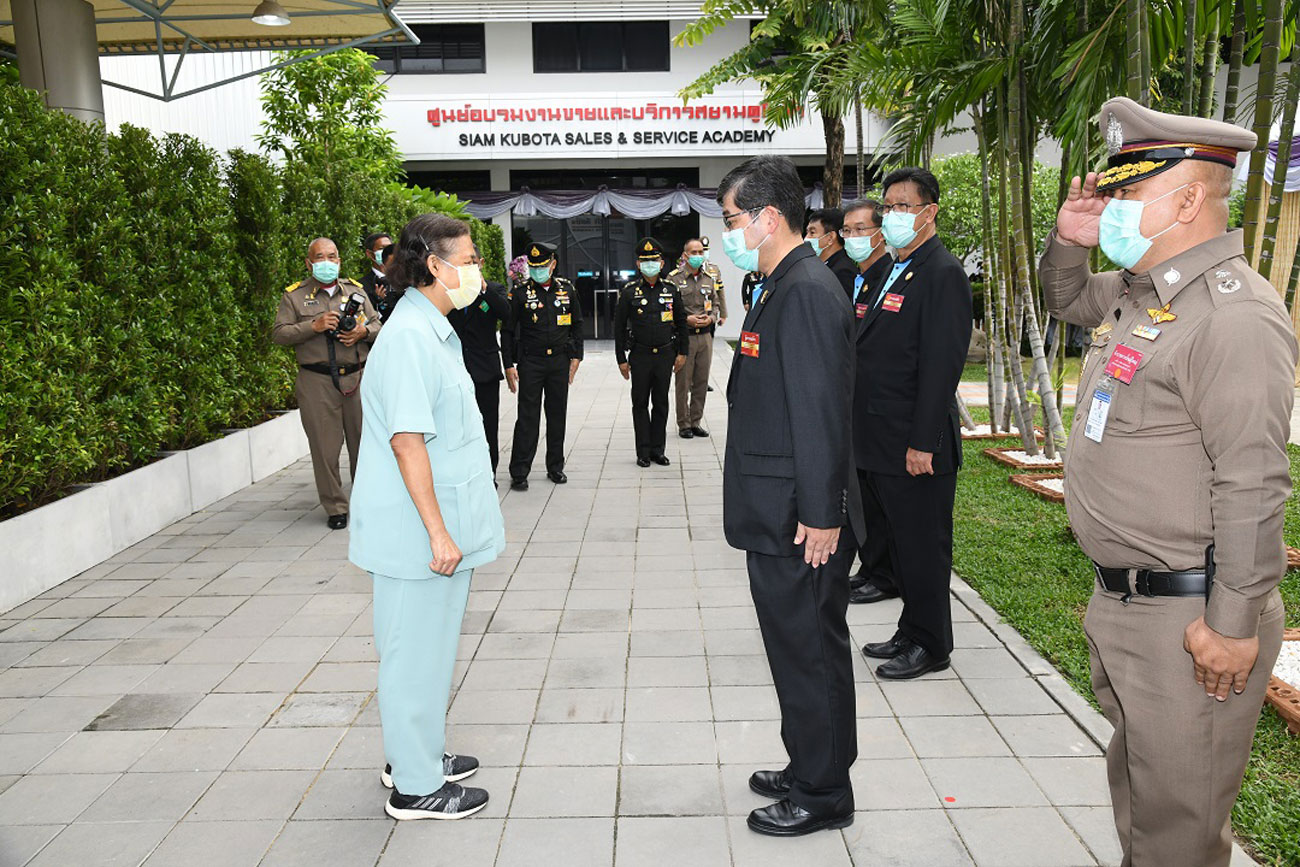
point(325, 369)
point(708, 329)
point(544, 353)
point(1147, 582)
point(654, 350)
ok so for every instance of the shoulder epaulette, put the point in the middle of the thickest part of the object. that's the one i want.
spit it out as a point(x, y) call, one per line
point(676, 272)
point(293, 286)
point(350, 280)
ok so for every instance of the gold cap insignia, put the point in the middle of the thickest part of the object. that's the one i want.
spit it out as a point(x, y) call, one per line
point(1114, 135)
point(536, 252)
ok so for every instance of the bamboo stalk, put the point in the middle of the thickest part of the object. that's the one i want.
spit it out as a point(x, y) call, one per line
point(1133, 49)
point(1023, 411)
point(1268, 59)
point(1209, 67)
point(861, 162)
point(992, 324)
point(1190, 82)
point(1268, 245)
point(1235, 52)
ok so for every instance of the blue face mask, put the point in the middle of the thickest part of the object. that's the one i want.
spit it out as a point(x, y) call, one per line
point(651, 269)
point(379, 255)
point(1119, 233)
point(695, 262)
point(899, 229)
point(539, 274)
point(859, 248)
point(325, 272)
point(815, 243)
point(738, 250)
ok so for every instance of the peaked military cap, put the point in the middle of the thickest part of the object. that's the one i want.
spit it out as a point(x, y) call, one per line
point(649, 248)
point(540, 254)
point(1142, 143)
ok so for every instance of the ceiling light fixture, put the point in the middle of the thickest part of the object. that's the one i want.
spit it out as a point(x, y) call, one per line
point(271, 14)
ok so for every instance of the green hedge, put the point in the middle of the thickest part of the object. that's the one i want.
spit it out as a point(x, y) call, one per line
point(138, 280)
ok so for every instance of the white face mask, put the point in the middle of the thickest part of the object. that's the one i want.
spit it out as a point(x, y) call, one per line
point(469, 285)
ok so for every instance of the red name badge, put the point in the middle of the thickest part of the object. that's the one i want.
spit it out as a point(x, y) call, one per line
point(861, 310)
point(1124, 363)
point(749, 343)
point(893, 303)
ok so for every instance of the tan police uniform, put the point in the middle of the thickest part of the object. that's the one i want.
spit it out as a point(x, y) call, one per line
point(1178, 443)
point(702, 292)
point(330, 406)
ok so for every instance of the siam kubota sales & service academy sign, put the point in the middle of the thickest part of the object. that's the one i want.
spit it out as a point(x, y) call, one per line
point(540, 126)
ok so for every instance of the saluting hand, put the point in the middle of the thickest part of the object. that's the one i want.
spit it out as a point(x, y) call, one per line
point(1080, 215)
point(624, 369)
point(818, 545)
point(1220, 663)
point(512, 379)
point(446, 555)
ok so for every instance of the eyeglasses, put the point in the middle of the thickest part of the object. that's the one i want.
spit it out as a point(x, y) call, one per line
point(850, 232)
point(727, 218)
point(903, 206)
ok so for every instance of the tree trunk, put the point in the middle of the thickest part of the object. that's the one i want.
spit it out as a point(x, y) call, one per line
point(1017, 120)
point(1190, 82)
point(1209, 68)
point(1023, 411)
point(1133, 50)
point(833, 167)
point(992, 314)
point(967, 420)
point(1146, 53)
point(1287, 132)
point(1268, 58)
point(1235, 52)
point(861, 150)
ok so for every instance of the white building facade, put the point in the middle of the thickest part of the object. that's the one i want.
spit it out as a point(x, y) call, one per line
point(561, 100)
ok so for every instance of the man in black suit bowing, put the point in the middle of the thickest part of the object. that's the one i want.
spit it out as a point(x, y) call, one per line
point(911, 346)
point(788, 487)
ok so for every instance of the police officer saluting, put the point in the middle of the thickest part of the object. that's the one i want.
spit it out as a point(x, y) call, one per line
point(651, 318)
point(1176, 474)
point(311, 319)
point(544, 340)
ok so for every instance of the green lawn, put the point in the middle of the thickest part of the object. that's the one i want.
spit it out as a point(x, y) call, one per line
point(979, 373)
point(1017, 551)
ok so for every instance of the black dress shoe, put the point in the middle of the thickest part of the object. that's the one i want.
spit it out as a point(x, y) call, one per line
point(699, 431)
point(911, 663)
point(518, 484)
point(643, 462)
point(661, 460)
point(686, 433)
point(771, 784)
point(709, 387)
point(868, 593)
point(785, 819)
point(886, 649)
point(337, 522)
point(558, 477)
point(857, 579)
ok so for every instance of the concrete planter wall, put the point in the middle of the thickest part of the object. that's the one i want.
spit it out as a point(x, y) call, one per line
point(49, 545)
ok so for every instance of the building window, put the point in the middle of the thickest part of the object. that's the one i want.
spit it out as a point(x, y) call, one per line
point(443, 48)
point(600, 46)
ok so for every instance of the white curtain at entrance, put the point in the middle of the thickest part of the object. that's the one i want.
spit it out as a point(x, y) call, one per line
point(563, 204)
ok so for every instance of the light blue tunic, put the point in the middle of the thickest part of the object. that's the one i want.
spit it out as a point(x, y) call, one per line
point(415, 382)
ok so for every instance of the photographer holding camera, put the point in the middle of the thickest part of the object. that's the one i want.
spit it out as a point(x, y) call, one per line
point(331, 325)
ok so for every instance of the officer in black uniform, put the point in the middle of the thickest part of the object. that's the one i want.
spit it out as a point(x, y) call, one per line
point(749, 286)
point(382, 296)
point(544, 338)
point(477, 325)
point(651, 320)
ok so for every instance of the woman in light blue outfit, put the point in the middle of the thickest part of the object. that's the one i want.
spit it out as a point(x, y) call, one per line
point(424, 513)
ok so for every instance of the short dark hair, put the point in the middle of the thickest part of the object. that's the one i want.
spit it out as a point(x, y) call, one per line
point(877, 219)
point(425, 235)
point(831, 219)
point(926, 182)
point(767, 180)
point(368, 243)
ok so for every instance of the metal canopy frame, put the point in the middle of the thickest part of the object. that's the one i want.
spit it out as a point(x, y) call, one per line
point(172, 36)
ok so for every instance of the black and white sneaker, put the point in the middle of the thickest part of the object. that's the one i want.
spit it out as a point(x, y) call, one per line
point(452, 801)
point(454, 768)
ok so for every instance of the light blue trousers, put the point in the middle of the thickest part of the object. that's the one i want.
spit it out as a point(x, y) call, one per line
point(417, 631)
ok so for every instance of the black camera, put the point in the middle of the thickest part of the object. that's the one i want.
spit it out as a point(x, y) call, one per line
point(348, 316)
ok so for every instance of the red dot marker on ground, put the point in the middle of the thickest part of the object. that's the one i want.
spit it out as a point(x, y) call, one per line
point(950, 799)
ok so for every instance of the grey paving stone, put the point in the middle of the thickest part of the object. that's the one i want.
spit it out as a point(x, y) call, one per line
point(1096, 828)
point(1055, 735)
point(574, 744)
point(905, 838)
point(929, 698)
point(104, 679)
point(587, 673)
point(34, 799)
point(1020, 696)
point(505, 674)
point(1020, 838)
point(953, 736)
point(253, 795)
point(344, 794)
point(291, 649)
point(58, 713)
point(324, 709)
point(520, 646)
point(288, 749)
point(660, 671)
point(98, 752)
point(144, 650)
point(445, 844)
point(891, 784)
point(668, 643)
point(494, 706)
point(571, 842)
point(668, 704)
point(565, 791)
point(882, 738)
point(277, 677)
point(651, 743)
point(579, 705)
point(983, 782)
point(215, 844)
point(342, 677)
point(111, 843)
point(682, 842)
point(33, 682)
point(175, 677)
point(21, 752)
point(340, 841)
point(154, 796)
point(66, 651)
point(744, 702)
point(193, 750)
point(824, 849)
point(1071, 781)
point(752, 670)
point(670, 790)
point(757, 743)
point(20, 842)
point(232, 710)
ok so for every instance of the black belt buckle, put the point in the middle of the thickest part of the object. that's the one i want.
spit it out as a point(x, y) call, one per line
point(1142, 582)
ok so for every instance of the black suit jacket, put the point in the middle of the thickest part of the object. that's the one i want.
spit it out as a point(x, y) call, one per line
point(476, 326)
point(909, 362)
point(789, 457)
point(844, 269)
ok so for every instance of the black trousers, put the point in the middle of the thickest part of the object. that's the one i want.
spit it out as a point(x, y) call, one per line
point(543, 379)
point(801, 613)
point(874, 551)
point(652, 373)
point(488, 395)
point(918, 510)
